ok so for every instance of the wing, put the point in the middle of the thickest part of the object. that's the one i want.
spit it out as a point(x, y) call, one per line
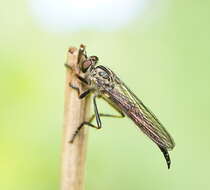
point(134, 108)
point(151, 125)
point(111, 88)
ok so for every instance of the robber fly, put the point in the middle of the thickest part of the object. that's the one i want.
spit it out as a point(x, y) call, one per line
point(104, 83)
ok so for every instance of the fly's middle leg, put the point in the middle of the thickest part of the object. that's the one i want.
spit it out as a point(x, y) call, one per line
point(97, 115)
point(90, 120)
point(82, 125)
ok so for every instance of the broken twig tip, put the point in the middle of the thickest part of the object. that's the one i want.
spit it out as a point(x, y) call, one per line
point(72, 50)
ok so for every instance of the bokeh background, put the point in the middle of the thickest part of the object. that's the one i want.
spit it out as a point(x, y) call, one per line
point(159, 48)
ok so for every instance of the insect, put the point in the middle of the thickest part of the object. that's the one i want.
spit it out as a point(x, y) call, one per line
point(104, 83)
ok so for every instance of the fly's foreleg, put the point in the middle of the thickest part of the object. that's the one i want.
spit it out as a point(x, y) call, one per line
point(81, 95)
point(83, 80)
point(75, 88)
point(68, 66)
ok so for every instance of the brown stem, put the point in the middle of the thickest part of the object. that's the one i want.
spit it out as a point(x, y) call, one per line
point(75, 112)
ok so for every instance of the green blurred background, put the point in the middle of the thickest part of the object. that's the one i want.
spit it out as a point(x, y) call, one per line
point(163, 56)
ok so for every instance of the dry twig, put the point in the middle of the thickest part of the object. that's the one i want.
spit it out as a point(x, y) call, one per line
point(75, 112)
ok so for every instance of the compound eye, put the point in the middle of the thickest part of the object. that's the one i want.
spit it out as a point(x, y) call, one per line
point(94, 59)
point(86, 65)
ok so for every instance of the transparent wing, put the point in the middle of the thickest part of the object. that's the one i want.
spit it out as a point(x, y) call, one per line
point(140, 114)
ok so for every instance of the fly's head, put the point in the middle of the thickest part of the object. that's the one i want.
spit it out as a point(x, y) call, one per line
point(102, 77)
point(98, 77)
point(88, 64)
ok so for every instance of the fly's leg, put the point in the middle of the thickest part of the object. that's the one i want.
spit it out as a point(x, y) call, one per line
point(78, 76)
point(90, 120)
point(82, 125)
point(82, 79)
point(75, 88)
point(68, 66)
point(84, 94)
point(97, 115)
point(81, 56)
